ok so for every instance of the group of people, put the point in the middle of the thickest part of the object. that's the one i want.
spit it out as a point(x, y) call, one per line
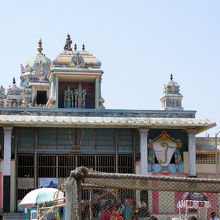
point(115, 210)
point(119, 211)
point(213, 216)
point(118, 214)
point(126, 210)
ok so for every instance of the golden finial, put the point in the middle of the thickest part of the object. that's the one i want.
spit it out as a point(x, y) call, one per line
point(40, 48)
point(83, 47)
point(171, 76)
point(14, 82)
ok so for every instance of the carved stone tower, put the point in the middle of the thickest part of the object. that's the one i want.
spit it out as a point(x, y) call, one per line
point(34, 82)
point(172, 99)
point(75, 79)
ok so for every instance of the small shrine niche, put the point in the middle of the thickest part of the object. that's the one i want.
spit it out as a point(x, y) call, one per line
point(41, 97)
point(75, 98)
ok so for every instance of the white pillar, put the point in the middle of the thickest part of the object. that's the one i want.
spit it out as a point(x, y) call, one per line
point(34, 96)
point(7, 168)
point(7, 150)
point(192, 152)
point(51, 86)
point(97, 92)
point(143, 150)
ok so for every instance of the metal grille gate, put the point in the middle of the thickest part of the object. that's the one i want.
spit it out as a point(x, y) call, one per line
point(31, 168)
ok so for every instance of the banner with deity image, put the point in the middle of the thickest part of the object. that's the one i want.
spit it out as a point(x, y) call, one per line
point(163, 149)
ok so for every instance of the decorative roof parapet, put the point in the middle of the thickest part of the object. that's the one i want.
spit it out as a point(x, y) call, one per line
point(125, 122)
point(99, 113)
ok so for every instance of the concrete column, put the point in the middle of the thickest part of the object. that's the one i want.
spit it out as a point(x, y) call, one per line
point(51, 86)
point(97, 92)
point(143, 151)
point(192, 152)
point(34, 96)
point(100, 87)
point(56, 90)
point(7, 168)
point(71, 208)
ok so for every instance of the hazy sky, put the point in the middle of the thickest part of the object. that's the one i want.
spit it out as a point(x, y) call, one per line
point(138, 42)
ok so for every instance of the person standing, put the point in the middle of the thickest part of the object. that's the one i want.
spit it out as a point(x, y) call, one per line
point(214, 216)
point(106, 215)
point(116, 215)
point(127, 211)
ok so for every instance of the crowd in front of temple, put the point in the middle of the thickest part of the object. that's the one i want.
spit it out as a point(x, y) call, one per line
point(111, 210)
point(126, 210)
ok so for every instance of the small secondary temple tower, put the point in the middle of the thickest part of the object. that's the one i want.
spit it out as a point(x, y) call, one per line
point(75, 79)
point(34, 82)
point(172, 99)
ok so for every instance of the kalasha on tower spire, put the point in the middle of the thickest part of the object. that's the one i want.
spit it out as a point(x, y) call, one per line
point(171, 76)
point(68, 43)
point(13, 81)
point(83, 47)
point(40, 48)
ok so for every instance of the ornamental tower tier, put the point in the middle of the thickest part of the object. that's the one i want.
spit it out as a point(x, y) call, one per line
point(34, 81)
point(172, 99)
point(75, 79)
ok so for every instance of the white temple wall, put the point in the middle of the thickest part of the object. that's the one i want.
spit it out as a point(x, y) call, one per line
point(205, 168)
point(201, 168)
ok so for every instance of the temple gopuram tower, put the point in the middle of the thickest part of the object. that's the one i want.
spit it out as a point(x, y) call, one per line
point(75, 79)
point(172, 99)
point(34, 81)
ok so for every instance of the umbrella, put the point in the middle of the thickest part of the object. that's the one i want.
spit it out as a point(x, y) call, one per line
point(40, 195)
